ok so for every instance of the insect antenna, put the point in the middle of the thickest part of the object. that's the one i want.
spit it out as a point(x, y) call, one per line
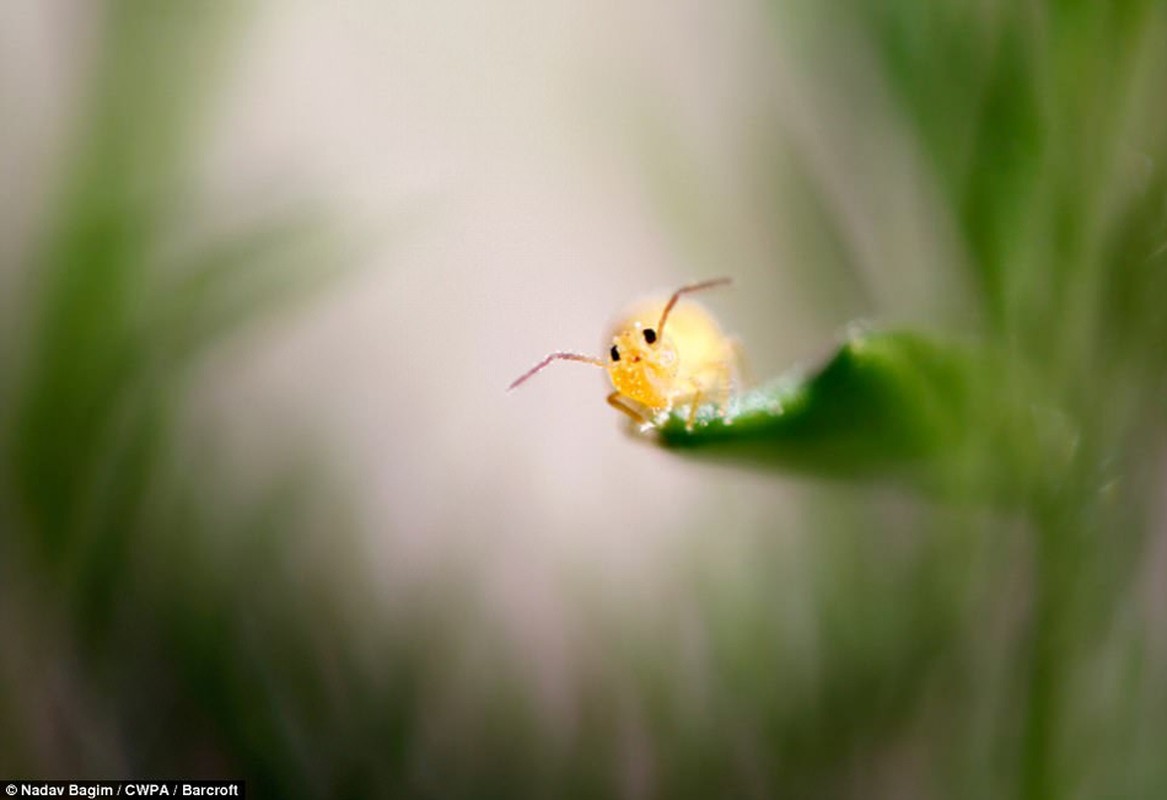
point(554, 357)
point(693, 287)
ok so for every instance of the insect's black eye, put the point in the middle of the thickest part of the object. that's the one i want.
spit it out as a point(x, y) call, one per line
point(649, 335)
point(615, 353)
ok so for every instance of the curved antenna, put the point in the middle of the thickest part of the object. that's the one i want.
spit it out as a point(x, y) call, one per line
point(693, 287)
point(554, 357)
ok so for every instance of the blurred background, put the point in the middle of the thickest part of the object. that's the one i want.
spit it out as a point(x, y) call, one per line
point(267, 510)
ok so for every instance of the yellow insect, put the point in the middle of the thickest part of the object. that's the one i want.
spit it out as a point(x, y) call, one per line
point(664, 354)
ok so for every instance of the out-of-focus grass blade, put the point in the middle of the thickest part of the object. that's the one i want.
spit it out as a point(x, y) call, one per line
point(885, 401)
point(240, 278)
point(86, 350)
point(110, 331)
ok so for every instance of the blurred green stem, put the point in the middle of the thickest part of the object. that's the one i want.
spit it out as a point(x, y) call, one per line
point(1042, 687)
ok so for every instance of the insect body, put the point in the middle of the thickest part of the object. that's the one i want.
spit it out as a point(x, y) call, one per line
point(663, 354)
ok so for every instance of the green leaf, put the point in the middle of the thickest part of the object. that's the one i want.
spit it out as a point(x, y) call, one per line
point(884, 402)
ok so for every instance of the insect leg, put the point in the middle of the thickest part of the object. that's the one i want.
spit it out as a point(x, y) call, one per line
point(694, 404)
point(617, 401)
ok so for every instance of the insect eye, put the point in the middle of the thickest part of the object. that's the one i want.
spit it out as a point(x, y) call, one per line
point(649, 335)
point(615, 353)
